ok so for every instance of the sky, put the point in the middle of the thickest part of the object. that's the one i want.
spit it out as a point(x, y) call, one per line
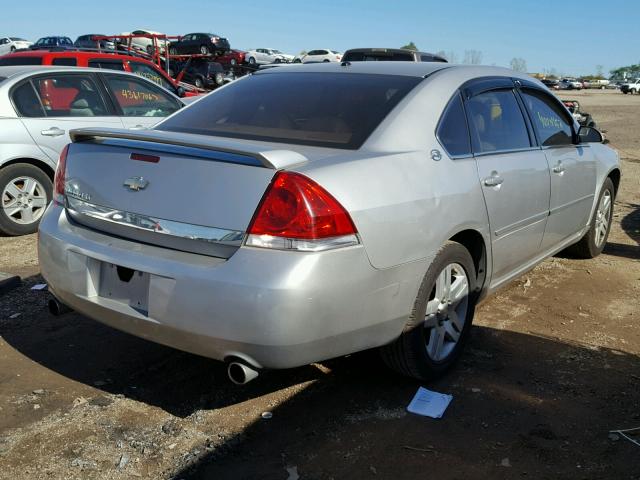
point(571, 37)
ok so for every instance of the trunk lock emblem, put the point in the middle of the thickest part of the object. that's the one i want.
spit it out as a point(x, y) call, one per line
point(136, 183)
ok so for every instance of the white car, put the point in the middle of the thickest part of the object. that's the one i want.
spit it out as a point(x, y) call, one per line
point(39, 105)
point(265, 56)
point(11, 44)
point(570, 84)
point(144, 43)
point(321, 55)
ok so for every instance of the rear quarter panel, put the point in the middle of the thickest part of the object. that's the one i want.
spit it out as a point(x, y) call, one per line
point(404, 204)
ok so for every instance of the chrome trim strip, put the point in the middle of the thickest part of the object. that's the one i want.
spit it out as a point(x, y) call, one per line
point(502, 152)
point(159, 226)
point(514, 227)
point(571, 203)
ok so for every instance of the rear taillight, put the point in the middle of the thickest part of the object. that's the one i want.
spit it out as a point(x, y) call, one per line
point(296, 213)
point(60, 177)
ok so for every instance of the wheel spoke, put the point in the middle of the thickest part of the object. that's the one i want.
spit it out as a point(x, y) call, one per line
point(432, 306)
point(458, 289)
point(436, 340)
point(454, 335)
point(27, 215)
point(441, 285)
point(10, 212)
point(39, 202)
point(12, 190)
point(431, 321)
point(455, 319)
point(29, 186)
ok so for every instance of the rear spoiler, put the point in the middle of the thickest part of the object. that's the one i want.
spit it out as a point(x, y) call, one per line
point(226, 150)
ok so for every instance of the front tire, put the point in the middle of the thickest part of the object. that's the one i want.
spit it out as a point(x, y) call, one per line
point(204, 50)
point(438, 327)
point(25, 193)
point(252, 61)
point(593, 242)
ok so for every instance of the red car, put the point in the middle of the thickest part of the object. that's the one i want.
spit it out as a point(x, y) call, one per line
point(112, 61)
point(231, 58)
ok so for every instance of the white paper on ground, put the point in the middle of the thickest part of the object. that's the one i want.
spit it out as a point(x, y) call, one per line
point(428, 403)
point(39, 286)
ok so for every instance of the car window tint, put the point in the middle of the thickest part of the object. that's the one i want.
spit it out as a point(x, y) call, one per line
point(107, 64)
point(67, 61)
point(551, 123)
point(138, 98)
point(26, 101)
point(496, 122)
point(341, 111)
point(70, 96)
point(149, 73)
point(453, 132)
point(10, 60)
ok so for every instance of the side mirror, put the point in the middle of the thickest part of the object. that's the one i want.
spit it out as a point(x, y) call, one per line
point(590, 135)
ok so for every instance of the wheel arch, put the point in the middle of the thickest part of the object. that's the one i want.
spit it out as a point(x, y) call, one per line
point(615, 176)
point(474, 242)
point(44, 166)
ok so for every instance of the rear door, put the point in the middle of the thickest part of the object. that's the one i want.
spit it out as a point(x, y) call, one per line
point(513, 173)
point(52, 104)
point(139, 103)
point(573, 166)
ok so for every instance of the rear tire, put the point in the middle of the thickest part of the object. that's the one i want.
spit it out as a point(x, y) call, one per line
point(204, 50)
point(439, 324)
point(252, 61)
point(173, 51)
point(15, 191)
point(594, 241)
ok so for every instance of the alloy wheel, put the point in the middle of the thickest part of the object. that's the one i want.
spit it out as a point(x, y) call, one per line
point(603, 218)
point(446, 312)
point(24, 200)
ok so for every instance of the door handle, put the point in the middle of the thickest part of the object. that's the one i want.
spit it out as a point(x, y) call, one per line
point(559, 168)
point(52, 132)
point(493, 181)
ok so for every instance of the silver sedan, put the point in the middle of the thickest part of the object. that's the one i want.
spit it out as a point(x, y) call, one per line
point(311, 211)
point(38, 108)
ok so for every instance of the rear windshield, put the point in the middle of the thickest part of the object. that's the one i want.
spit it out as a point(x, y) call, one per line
point(10, 60)
point(377, 57)
point(321, 109)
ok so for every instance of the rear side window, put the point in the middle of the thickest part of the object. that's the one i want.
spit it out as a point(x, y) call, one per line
point(137, 98)
point(150, 73)
point(65, 95)
point(333, 110)
point(551, 123)
point(11, 60)
point(67, 61)
point(453, 132)
point(496, 122)
point(26, 101)
point(107, 64)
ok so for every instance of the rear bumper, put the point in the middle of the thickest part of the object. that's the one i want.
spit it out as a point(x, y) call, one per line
point(273, 309)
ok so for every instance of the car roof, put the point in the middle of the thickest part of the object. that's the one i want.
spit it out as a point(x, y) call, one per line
point(411, 69)
point(16, 72)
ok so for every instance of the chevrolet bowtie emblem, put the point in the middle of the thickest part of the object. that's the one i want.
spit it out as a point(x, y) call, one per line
point(136, 183)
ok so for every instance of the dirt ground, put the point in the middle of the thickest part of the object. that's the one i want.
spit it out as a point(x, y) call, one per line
point(552, 367)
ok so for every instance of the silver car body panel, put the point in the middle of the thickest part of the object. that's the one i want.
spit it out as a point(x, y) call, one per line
point(281, 309)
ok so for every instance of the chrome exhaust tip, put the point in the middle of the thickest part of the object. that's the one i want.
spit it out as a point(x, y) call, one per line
point(240, 374)
point(57, 308)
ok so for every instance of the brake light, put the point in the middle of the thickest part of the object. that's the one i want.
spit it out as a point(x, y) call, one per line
point(296, 213)
point(60, 177)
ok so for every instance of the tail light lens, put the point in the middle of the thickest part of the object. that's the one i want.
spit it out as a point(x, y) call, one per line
point(60, 177)
point(296, 213)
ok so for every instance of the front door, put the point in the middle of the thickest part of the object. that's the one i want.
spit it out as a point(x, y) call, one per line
point(514, 176)
point(573, 167)
point(51, 105)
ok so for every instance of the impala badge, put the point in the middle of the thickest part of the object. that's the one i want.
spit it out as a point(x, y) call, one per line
point(136, 183)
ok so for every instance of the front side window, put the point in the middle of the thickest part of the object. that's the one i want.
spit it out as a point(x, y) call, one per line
point(496, 122)
point(334, 110)
point(453, 132)
point(551, 123)
point(70, 96)
point(10, 60)
point(137, 98)
point(26, 101)
point(149, 73)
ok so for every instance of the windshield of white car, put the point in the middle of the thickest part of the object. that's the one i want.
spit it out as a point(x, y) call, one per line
point(338, 110)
